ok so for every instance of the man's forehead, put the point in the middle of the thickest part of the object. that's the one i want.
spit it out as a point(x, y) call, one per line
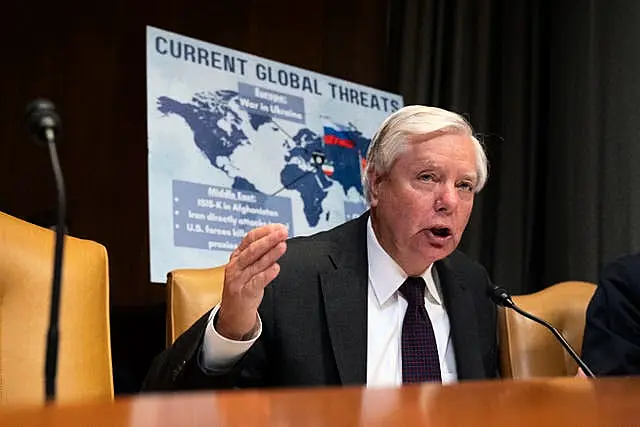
point(464, 169)
point(439, 161)
point(444, 161)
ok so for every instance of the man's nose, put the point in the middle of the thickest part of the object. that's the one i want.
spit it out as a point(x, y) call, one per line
point(446, 198)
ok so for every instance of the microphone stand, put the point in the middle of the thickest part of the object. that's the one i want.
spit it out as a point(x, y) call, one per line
point(43, 122)
point(51, 363)
point(500, 297)
point(560, 338)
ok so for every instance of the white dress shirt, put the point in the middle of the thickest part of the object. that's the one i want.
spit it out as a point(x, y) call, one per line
point(386, 308)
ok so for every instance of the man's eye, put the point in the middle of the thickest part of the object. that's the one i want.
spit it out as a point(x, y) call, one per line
point(466, 186)
point(427, 177)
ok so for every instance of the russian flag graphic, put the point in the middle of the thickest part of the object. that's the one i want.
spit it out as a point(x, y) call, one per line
point(333, 136)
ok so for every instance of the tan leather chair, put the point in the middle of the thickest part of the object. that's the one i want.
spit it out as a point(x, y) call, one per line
point(529, 350)
point(191, 293)
point(84, 358)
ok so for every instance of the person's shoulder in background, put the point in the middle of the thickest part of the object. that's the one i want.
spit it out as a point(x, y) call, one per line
point(611, 343)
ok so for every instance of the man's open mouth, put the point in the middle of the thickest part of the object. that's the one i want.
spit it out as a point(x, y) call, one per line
point(440, 231)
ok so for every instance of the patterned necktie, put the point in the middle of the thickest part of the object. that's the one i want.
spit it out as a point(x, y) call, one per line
point(420, 361)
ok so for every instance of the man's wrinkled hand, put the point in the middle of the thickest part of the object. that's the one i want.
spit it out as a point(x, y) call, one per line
point(252, 266)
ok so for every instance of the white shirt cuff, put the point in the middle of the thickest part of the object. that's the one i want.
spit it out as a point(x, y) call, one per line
point(219, 354)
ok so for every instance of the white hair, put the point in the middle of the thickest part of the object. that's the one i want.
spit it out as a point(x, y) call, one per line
point(392, 138)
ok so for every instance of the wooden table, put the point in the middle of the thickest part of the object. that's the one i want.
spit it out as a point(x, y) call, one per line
point(561, 402)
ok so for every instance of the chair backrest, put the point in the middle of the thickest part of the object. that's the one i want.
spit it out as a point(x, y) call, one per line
point(529, 350)
point(191, 293)
point(84, 359)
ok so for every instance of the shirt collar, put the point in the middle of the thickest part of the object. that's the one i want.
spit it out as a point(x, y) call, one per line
point(386, 276)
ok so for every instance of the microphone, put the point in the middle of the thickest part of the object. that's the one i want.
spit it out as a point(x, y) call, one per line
point(501, 297)
point(43, 123)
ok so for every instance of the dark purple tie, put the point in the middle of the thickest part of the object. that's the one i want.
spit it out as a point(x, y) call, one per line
point(420, 361)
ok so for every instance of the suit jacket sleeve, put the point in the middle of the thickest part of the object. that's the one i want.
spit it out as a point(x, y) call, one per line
point(611, 343)
point(178, 367)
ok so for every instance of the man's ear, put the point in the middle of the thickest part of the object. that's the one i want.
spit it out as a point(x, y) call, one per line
point(374, 179)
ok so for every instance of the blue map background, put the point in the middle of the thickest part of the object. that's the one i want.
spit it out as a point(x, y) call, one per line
point(219, 130)
point(205, 137)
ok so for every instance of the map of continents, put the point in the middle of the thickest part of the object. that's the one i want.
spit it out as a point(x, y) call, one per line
point(220, 126)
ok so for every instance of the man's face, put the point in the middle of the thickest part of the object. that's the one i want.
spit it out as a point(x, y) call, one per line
point(422, 205)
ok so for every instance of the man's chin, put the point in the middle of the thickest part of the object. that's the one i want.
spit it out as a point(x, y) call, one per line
point(422, 257)
point(437, 253)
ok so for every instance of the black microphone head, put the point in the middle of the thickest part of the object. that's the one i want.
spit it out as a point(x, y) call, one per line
point(43, 121)
point(499, 296)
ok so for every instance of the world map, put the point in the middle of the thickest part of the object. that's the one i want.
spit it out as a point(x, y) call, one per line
point(311, 162)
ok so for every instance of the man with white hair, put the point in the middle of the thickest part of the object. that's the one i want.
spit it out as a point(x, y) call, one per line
point(383, 300)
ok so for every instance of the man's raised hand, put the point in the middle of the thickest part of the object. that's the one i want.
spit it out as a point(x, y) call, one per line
point(252, 266)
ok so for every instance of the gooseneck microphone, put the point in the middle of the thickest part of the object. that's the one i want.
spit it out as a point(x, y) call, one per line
point(44, 124)
point(501, 297)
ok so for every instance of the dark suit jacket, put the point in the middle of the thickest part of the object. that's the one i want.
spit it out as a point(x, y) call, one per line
point(611, 343)
point(314, 320)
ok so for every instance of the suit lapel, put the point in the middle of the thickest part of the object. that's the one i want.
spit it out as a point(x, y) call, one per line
point(461, 309)
point(344, 291)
